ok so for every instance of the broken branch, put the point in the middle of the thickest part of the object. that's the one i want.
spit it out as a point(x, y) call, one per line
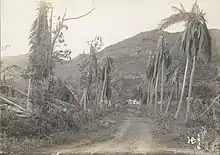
point(10, 102)
point(210, 105)
point(80, 16)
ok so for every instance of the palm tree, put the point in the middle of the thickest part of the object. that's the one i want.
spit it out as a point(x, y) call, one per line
point(105, 93)
point(195, 40)
point(165, 63)
point(160, 61)
point(175, 76)
point(39, 49)
point(149, 76)
point(95, 45)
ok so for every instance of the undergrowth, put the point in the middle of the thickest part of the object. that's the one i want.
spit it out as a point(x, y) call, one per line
point(58, 127)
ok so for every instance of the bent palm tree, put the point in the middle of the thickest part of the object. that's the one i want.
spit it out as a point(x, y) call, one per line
point(195, 39)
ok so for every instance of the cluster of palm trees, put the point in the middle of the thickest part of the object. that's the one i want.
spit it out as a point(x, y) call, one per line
point(195, 41)
point(98, 74)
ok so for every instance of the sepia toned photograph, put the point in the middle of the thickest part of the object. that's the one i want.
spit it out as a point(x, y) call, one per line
point(110, 77)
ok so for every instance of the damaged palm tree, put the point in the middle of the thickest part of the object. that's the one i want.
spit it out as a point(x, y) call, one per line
point(165, 63)
point(39, 51)
point(45, 51)
point(157, 69)
point(95, 45)
point(175, 83)
point(195, 39)
point(149, 76)
point(105, 93)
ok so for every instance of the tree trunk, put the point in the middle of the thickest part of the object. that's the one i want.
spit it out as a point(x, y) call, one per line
point(29, 103)
point(156, 85)
point(103, 89)
point(148, 92)
point(183, 88)
point(83, 99)
point(170, 99)
point(177, 87)
point(190, 88)
point(162, 86)
point(4, 80)
point(151, 93)
point(0, 48)
point(45, 95)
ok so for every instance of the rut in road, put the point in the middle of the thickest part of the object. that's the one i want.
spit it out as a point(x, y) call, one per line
point(134, 135)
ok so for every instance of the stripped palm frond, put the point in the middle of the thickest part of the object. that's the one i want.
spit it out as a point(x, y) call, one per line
point(173, 19)
point(195, 7)
point(178, 10)
point(205, 43)
point(182, 16)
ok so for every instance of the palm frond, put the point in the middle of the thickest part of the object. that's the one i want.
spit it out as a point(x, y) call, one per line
point(195, 7)
point(182, 7)
point(174, 19)
point(205, 43)
point(178, 10)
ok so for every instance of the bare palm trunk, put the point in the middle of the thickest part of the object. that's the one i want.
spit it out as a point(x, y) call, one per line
point(156, 85)
point(83, 101)
point(190, 88)
point(183, 88)
point(148, 92)
point(170, 99)
point(45, 95)
point(151, 93)
point(29, 103)
point(103, 89)
point(0, 46)
point(97, 94)
point(177, 88)
point(162, 86)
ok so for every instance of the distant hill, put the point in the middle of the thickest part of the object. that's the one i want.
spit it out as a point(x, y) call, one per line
point(131, 66)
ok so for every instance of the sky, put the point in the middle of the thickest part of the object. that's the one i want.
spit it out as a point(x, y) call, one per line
point(114, 20)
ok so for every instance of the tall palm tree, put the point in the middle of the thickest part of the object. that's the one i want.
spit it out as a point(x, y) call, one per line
point(162, 60)
point(165, 63)
point(39, 40)
point(149, 76)
point(106, 91)
point(95, 45)
point(195, 40)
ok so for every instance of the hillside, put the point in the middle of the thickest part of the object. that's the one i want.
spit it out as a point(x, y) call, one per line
point(129, 65)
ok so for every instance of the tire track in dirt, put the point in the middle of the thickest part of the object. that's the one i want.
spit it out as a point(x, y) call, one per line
point(134, 135)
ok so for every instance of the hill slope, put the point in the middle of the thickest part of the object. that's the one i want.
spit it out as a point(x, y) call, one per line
point(130, 66)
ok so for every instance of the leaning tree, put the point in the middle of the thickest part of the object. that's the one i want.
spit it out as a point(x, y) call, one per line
point(195, 40)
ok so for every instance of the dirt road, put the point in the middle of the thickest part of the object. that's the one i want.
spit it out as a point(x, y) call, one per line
point(134, 135)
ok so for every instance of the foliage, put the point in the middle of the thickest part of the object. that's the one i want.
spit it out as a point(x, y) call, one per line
point(3, 48)
point(195, 40)
point(45, 51)
point(89, 70)
point(105, 78)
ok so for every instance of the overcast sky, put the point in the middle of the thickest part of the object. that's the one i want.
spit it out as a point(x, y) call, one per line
point(114, 20)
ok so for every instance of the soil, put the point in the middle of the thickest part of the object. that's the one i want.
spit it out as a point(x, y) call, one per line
point(130, 134)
